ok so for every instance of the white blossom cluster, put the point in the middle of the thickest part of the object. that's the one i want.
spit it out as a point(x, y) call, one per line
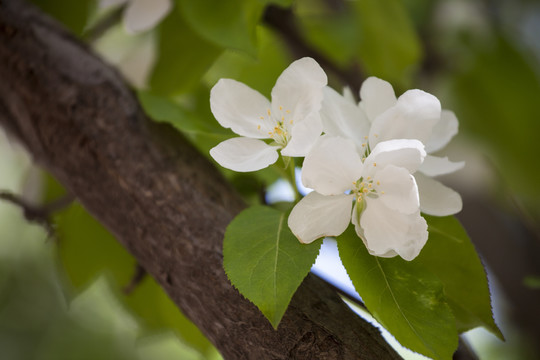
point(368, 163)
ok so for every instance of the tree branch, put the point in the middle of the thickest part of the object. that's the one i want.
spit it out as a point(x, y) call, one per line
point(161, 198)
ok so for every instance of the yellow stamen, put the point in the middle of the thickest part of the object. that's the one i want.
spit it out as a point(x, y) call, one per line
point(269, 113)
point(258, 127)
point(374, 164)
point(281, 108)
point(261, 117)
point(378, 183)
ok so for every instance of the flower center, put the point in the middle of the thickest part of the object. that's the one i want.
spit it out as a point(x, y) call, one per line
point(366, 187)
point(281, 133)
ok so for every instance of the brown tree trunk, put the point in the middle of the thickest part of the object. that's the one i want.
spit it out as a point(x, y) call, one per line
point(162, 199)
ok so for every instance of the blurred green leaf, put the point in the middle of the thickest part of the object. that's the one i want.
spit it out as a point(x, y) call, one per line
point(403, 296)
point(183, 57)
point(87, 250)
point(229, 24)
point(260, 73)
point(450, 255)
point(532, 282)
point(282, 3)
point(194, 119)
point(73, 14)
point(265, 261)
point(163, 109)
point(389, 46)
point(166, 347)
point(496, 99)
point(336, 32)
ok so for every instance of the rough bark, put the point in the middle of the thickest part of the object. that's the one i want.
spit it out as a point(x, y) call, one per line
point(162, 199)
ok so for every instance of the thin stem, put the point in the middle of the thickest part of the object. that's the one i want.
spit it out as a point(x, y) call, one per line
point(292, 180)
point(104, 24)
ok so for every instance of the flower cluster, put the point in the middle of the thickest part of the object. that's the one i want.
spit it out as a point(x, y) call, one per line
point(368, 163)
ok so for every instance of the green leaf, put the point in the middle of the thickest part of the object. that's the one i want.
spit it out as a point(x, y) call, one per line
point(336, 33)
point(265, 261)
point(201, 128)
point(87, 250)
point(183, 57)
point(403, 296)
point(450, 255)
point(73, 14)
point(229, 24)
point(261, 73)
point(487, 96)
point(532, 282)
point(163, 109)
point(282, 3)
point(389, 46)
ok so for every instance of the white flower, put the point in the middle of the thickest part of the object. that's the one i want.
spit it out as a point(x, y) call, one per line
point(140, 15)
point(377, 193)
point(381, 116)
point(292, 120)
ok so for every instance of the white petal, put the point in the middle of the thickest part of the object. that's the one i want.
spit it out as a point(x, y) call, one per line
point(299, 89)
point(142, 15)
point(332, 166)
point(434, 166)
point(387, 232)
point(377, 96)
point(303, 136)
point(443, 131)
point(355, 219)
point(244, 154)
point(436, 198)
point(413, 117)
point(342, 117)
point(317, 215)
point(103, 4)
point(397, 189)
point(408, 154)
point(348, 95)
point(239, 107)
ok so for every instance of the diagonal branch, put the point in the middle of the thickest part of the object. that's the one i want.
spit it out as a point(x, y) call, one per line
point(162, 199)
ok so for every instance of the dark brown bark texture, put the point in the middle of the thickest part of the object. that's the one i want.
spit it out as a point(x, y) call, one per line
point(163, 200)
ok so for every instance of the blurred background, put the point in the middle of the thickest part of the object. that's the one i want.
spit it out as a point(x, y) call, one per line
point(72, 294)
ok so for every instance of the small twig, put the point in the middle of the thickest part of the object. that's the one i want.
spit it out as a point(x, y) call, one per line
point(136, 279)
point(38, 214)
point(104, 25)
